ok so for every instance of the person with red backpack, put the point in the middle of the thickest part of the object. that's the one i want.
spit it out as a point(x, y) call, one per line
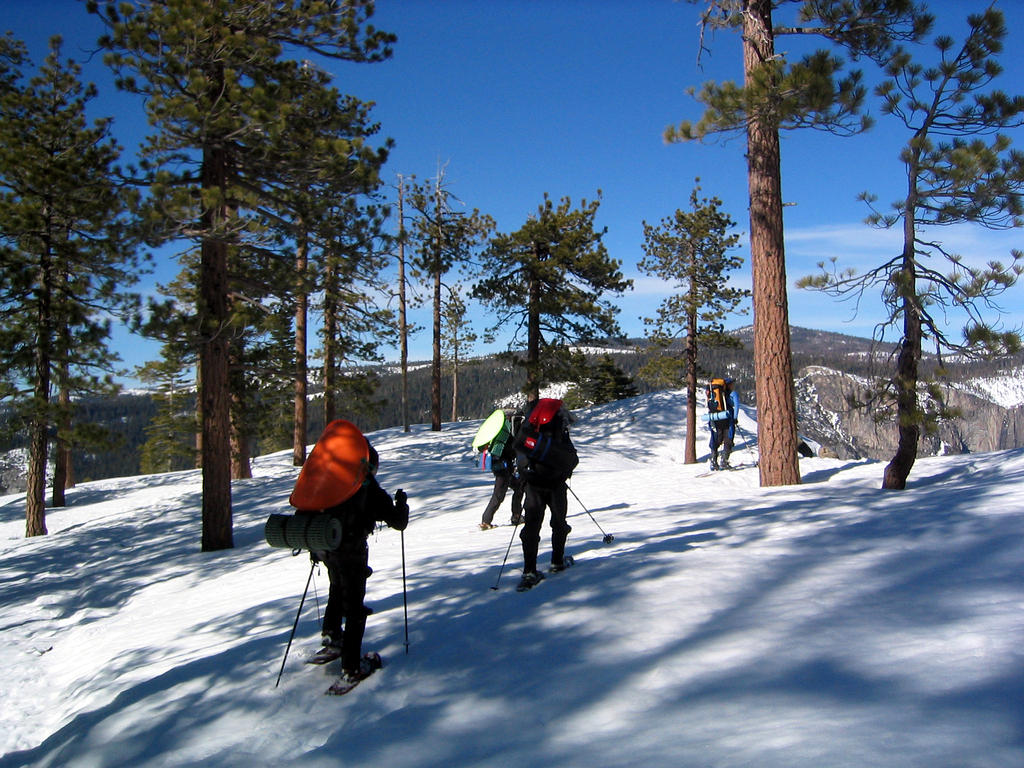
point(723, 414)
point(545, 458)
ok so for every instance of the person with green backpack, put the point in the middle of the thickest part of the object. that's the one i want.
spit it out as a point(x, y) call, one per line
point(502, 456)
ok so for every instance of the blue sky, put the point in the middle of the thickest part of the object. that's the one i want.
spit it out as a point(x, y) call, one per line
point(518, 98)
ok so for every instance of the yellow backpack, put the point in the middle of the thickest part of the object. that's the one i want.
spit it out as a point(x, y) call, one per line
point(716, 396)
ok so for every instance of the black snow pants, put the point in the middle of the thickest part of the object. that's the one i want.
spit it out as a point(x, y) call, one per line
point(347, 569)
point(537, 498)
point(502, 481)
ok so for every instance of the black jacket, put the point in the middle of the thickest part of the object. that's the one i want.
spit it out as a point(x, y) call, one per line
point(370, 505)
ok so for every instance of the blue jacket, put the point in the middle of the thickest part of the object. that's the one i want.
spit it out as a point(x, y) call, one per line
point(732, 409)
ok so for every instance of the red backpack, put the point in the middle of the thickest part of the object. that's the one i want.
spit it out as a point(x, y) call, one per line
point(544, 452)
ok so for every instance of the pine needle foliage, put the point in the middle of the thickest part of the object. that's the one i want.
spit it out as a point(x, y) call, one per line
point(777, 93)
point(546, 283)
point(67, 253)
point(960, 168)
point(693, 251)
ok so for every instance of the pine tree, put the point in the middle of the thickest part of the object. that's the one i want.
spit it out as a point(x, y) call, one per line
point(319, 166)
point(218, 78)
point(960, 168)
point(777, 94)
point(607, 382)
point(691, 251)
point(546, 281)
point(444, 238)
point(354, 327)
point(457, 339)
point(170, 435)
point(67, 254)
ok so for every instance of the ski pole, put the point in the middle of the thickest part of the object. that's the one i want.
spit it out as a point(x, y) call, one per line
point(608, 538)
point(514, 529)
point(405, 601)
point(747, 442)
point(316, 598)
point(295, 625)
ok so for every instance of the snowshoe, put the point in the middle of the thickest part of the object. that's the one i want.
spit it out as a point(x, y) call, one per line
point(567, 562)
point(325, 655)
point(329, 651)
point(369, 664)
point(529, 581)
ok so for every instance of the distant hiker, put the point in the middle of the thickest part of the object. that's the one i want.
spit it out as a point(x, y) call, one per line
point(349, 465)
point(723, 414)
point(502, 456)
point(546, 458)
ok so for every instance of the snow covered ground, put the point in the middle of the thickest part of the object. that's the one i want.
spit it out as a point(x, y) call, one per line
point(826, 624)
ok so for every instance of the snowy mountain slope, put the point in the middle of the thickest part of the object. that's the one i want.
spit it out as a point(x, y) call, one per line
point(1006, 390)
point(827, 624)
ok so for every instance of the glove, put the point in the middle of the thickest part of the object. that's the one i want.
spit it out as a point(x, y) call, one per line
point(401, 503)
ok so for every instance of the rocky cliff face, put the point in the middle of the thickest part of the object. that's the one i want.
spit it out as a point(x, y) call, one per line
point(825, 416)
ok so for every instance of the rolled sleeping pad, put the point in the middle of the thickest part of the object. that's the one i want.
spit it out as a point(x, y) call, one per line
point(314, 532)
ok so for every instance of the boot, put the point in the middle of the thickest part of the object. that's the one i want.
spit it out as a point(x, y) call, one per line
point(530, 580)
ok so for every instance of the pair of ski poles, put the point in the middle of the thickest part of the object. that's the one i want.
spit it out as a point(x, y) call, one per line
point(608, 538)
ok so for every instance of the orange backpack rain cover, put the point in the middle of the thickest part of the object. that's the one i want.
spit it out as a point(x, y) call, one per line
point(334, 469)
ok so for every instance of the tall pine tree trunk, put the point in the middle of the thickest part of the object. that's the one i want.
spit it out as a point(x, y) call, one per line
point(435, 377)
point(330, 335)
point(907, 416)
point(35, 492)
point(215, 386)
point(301, 384)
point(403, 323)
point(533, 335)
point(690, 455)
point(773, 363)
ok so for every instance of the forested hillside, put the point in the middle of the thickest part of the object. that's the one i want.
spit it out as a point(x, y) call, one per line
point(483, 382)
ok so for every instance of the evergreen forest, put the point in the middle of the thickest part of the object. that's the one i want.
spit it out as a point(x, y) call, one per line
point(272, 192)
